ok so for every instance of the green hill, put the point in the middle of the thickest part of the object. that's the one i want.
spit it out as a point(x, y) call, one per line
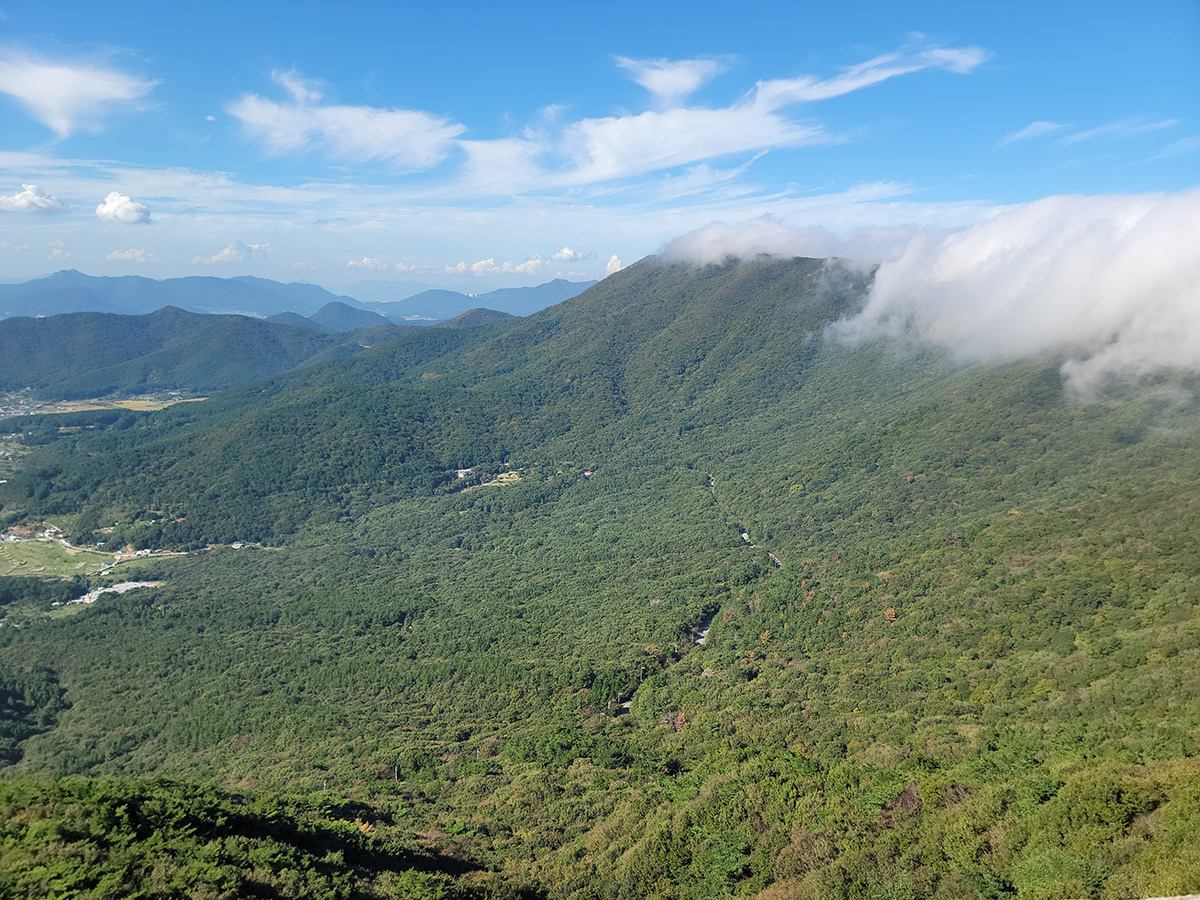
point(337, 316)
point(949, 614)
point(96, 354)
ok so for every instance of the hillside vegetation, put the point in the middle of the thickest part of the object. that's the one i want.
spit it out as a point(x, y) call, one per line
point(949, 614)
point(89, 354)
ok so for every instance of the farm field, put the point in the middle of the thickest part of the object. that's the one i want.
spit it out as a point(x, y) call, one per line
point(47, 559)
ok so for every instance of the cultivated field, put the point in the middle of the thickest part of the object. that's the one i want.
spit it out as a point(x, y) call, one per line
point(47, 558)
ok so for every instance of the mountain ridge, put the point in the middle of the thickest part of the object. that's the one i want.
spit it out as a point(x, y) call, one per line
point(949, 610)
point(90, 354)
point(69, 290)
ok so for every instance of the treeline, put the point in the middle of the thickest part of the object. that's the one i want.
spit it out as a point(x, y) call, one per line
point(162, 839)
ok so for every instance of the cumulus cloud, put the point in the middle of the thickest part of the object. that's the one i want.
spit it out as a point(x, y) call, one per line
point(119, 208)
point(530, 266)
point(235, 252)
point(482, 267)
point(614, 265)
point(69, 96)
point(141, 256)
point(566, 254)
point(405, 138)
point(489, 266)
point(1111, 282)
point(7, 249)
point(58, 250)
point(30, 198)
point(670, 81)
point(367, 262)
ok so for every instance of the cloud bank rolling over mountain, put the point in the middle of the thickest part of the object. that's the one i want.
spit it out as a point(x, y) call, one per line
point(1112, 282)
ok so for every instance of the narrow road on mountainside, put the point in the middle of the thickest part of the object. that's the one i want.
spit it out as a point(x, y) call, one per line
point(712, 491)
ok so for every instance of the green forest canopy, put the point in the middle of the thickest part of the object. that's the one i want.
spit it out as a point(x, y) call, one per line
point(952, 655)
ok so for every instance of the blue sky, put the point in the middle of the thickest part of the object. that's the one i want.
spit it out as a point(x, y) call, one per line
point(492, 146)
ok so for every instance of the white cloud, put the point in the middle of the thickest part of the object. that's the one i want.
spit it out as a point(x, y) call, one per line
point(1032, 130)
point(718, 242)
point(407, 139)
point(594, 150)
point(367, 262)
point(141, 256)
point(489, 266)
point(529, 267)
point(119, 208)
point(670, 81)
point(235, 252)
point(566, 254)
point(618, 147)
point(58, 250)
point(67, 97)
point(30, 198)
point(1125, 128)
point(780, 92)
point(614, 265)
point(1111, 281)
point(1181, 146)
point(7, 249)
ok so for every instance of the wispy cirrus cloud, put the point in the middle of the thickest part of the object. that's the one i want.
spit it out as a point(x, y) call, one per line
point(603, 149)
point(69, 96)
point(671, 81)
point(1030, 131)
point(404, 138)
point(1177, 148)
point(30, 198)
point(912, 58)
point(1125, 128)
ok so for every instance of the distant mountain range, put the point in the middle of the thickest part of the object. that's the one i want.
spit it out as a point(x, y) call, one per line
point(440, 304)
point(71, 291)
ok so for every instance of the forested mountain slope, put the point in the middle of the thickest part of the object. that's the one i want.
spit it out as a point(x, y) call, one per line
point(89, 354)
point(949, 614)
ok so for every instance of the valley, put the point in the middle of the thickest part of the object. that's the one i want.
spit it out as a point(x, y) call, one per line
point(665, 591)
point(12, 405)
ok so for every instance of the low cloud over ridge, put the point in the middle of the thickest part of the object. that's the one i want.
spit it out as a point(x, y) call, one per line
point(1112, 282)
